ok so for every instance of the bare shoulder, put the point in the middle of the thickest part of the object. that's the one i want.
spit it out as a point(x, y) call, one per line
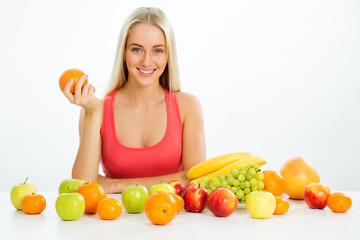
point(189, 104)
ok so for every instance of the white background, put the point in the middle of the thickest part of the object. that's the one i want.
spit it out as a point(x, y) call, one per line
point(275, 78)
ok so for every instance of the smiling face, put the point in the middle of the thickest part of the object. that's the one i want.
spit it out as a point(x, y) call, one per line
point(145, 54)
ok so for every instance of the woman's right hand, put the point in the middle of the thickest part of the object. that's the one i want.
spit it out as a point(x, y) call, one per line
point(84, 96)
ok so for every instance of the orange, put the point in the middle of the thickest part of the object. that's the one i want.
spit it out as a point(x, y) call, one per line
point(70, 74)
point(179, 202)
point(273, 182)
point(339, 202)
point(282, 206)
point(33, 203)
point(160, 208)
point(109, 209)
point(93, 193)
point(298, 174)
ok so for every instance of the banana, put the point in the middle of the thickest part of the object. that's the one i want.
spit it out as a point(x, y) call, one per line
point(214, 164)
point(259, 160)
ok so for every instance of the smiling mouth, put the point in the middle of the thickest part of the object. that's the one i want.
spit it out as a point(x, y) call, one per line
point(147, 72)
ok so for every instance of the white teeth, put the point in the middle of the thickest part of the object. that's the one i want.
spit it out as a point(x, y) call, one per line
point(146, 71)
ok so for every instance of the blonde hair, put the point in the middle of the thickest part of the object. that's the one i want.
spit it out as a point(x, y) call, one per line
point(170, 77)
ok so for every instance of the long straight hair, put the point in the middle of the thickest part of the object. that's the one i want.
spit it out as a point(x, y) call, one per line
point(170, 77)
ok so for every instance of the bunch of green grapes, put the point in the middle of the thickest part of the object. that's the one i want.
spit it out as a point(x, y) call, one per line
point(240, 181)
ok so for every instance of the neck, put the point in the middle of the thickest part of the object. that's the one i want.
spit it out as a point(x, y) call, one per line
point(143, 96)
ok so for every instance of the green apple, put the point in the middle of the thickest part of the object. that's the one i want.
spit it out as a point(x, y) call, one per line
point(70, 206)
point(161, 187)
point(69, 185)
point(18, 192)
point(133, 198)
point(260, 204)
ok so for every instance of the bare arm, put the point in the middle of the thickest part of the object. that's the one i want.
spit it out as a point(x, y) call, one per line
point(86, 164)
point(193, 149)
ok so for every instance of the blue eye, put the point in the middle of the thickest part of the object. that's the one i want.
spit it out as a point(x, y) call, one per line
point(137, 50)
point(158, 51)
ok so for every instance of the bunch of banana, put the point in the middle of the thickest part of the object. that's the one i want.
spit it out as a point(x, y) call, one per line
point(223, 164)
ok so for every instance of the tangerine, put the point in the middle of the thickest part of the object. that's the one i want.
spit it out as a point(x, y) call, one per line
point(93, 193)
point(70, 74)
point(282, 205)
point(160, 208)
point(339, 202)
point(109, 209)
point(179, 202)
point(33, 203)
point(273, 182)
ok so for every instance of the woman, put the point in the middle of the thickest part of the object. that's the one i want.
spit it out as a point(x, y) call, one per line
point(145, 130)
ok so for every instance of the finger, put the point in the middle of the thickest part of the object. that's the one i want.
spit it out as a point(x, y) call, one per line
point(91, 90)
point(78, 86)
point(85, 90)
point(67, 92)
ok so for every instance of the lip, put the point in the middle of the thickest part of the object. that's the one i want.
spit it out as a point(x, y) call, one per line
point(146, 72)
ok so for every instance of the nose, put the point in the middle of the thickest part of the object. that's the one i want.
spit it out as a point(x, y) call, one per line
point(146, 60)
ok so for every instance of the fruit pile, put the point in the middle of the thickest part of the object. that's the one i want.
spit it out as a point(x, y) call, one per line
point(219, 184)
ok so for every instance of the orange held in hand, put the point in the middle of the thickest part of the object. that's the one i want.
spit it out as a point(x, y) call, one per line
point(70, 74)
point(109, 209)
point(282, 205)
point(160, 208)
point(339, 202)
point(33, 203)
point(93, 193)
point(273, 182)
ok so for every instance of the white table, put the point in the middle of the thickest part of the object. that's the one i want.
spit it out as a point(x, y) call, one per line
point(300, 222)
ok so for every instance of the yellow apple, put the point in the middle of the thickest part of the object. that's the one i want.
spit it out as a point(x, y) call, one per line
point(260, 204)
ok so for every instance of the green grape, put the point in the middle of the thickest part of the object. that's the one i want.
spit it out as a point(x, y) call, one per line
point(243, 172)
point(229, 175)
point(228, 187)
point(247, 184)
point(253, 182)
point(261, 185)
point(194, 181)
point(205, 179)
point(242, 167)
point(256, 167)
point(217, 184)
point(243, 199)
point(242, 185)
point(235, 173)
point(247, 190)
point(254, 188)
point(215, 179)
point(252, 172)
point(259, 176)
point(241, 178)
point(240, 194)
point(251, 164)
point(234, 189)
point(212, 188)
point(224, 184)
point(248, 176)
point(222, 178)
point(231, 180)
point(236, 183)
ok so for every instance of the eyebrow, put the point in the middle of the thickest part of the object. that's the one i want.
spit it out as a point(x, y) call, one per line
point(139, 45)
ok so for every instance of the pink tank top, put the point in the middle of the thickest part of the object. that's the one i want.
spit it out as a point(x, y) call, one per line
point(119, 161)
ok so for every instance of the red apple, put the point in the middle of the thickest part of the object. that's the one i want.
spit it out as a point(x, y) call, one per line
point(195, 196)
point(178, 186)
point(222, 202)
point(316, 195)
